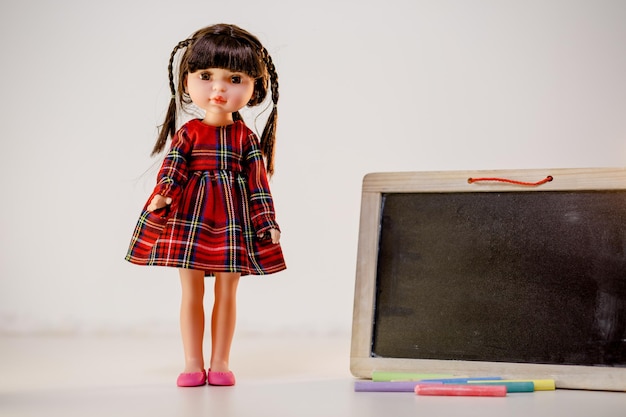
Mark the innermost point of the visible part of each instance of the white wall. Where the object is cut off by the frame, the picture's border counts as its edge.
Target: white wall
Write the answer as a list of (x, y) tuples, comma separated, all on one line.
[(399, 85)]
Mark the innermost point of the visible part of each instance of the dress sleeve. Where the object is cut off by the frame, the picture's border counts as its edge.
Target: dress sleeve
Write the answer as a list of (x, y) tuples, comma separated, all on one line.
[(173, 174), (261, 204)]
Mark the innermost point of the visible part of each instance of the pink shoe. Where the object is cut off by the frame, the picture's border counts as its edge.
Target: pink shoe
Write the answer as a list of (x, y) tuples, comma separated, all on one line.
[(224, 379), (191, 379)]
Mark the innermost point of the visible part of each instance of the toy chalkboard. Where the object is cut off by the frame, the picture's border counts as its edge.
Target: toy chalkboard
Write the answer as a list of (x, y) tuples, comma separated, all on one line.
[(487, 273)]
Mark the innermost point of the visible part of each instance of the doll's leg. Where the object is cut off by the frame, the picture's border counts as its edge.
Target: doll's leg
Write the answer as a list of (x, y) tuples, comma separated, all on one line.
[(192, 318), (223, 320)]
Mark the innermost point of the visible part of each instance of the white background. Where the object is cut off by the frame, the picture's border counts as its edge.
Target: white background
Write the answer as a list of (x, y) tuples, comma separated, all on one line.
[(365, 86)]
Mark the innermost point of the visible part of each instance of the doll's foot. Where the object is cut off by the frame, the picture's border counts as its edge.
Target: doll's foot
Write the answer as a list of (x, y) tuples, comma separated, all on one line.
[(191, 379), (224, 379)]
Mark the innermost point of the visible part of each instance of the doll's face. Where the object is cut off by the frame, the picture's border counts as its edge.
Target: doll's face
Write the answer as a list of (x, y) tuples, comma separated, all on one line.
[(219, 92)]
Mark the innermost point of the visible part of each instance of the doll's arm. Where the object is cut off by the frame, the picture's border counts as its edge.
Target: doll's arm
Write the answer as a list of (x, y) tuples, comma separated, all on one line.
[(261, 204), (172, 176)]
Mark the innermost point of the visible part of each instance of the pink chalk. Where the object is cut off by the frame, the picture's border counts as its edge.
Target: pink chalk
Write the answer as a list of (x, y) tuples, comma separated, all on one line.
[(473, 390)]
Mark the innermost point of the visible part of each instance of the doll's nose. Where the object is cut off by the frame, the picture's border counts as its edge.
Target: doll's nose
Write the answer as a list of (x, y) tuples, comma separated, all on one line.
[(219, 86)]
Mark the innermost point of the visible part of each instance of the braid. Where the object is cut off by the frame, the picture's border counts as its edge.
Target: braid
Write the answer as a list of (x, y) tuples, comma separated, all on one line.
[(268, 138), (168, 128)]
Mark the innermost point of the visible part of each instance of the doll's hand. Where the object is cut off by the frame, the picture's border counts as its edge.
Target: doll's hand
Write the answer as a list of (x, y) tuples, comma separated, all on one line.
[(274, 235), (158, 201)]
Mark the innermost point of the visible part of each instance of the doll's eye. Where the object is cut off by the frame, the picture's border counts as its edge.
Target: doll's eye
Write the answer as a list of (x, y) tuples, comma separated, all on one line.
[(235, 79), (205, 75)]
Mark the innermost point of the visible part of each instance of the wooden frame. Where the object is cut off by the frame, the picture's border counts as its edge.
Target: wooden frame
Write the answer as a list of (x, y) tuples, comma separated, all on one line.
[(362, 362)]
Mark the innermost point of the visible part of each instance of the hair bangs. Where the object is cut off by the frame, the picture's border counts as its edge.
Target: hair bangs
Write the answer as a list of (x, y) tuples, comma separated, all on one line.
[(225, 52)]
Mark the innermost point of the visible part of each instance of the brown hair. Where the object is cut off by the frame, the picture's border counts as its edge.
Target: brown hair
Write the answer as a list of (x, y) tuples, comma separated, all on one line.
[(229, 47)]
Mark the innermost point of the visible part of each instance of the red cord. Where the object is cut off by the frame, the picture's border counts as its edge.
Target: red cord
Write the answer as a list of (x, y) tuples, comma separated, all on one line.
[(543, 181)]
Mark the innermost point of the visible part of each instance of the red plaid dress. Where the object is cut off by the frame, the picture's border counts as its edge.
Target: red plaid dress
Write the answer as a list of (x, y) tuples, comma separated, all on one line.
[(221, 203)]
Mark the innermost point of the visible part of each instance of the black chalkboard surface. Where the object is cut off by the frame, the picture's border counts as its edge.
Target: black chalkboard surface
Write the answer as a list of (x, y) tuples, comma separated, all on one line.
[(517, 277), (528, 280)]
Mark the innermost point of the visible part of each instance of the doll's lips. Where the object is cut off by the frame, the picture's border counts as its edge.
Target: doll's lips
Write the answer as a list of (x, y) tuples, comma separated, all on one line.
[(219, 100)]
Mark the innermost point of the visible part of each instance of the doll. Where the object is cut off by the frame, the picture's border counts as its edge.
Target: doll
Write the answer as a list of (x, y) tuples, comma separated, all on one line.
[(211, 212)]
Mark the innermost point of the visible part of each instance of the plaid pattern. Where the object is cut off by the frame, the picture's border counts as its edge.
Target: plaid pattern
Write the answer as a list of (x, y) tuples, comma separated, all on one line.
[(221, 202)]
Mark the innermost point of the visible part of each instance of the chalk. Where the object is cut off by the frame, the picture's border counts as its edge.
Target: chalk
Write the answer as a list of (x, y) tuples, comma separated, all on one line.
[(387, 386), (461, 390), (463, 380), (511, 386), (540, 384), (381, 376)]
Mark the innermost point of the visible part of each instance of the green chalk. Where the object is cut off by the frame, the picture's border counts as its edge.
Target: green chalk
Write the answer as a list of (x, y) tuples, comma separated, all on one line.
[(380, 376)]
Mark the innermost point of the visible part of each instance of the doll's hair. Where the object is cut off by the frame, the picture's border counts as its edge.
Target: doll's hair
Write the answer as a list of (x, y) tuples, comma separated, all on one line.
[(229, 47)]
